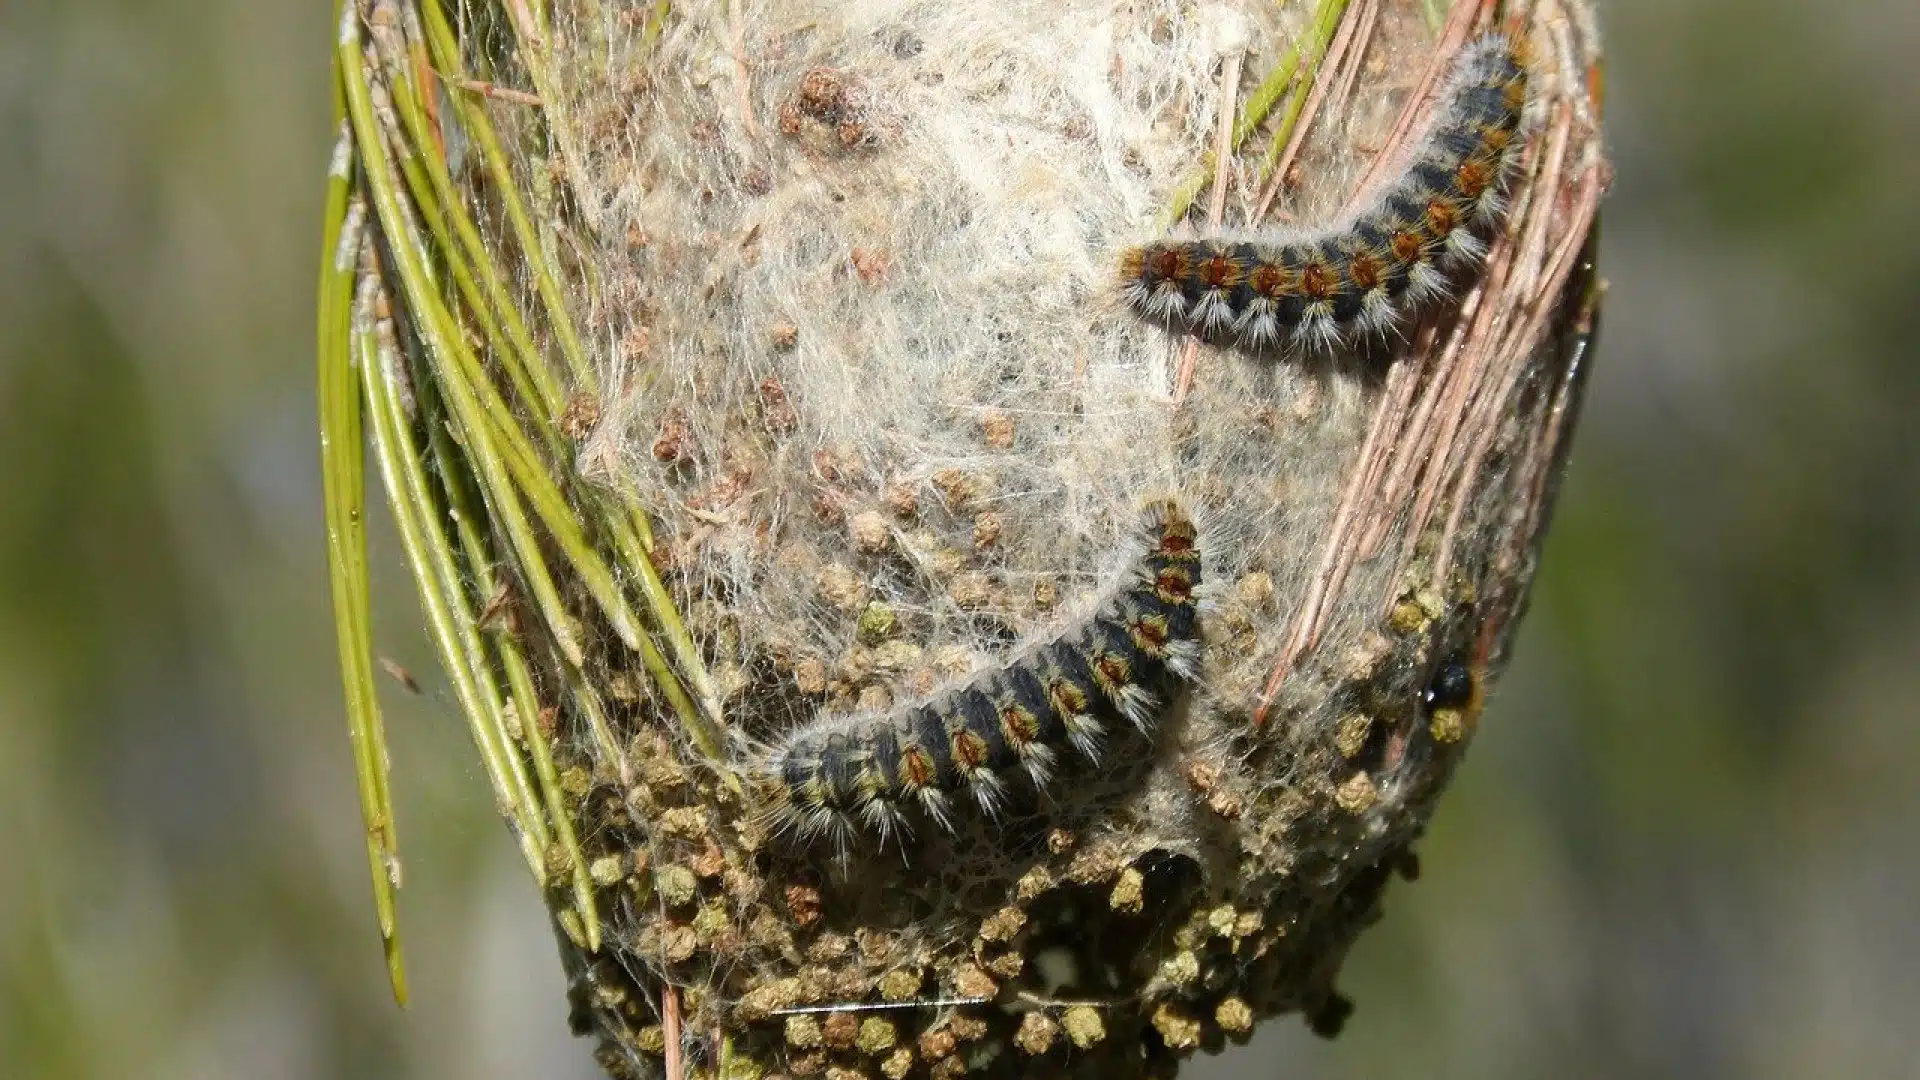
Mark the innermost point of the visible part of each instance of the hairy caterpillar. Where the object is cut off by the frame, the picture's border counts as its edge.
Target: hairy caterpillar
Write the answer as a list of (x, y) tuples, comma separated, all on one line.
[(1363, 275), (1013, 724)]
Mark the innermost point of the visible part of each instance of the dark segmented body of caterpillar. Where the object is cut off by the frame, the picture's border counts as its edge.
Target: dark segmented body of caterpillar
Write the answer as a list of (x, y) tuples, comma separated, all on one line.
[(1017, 723), (1368, 274)]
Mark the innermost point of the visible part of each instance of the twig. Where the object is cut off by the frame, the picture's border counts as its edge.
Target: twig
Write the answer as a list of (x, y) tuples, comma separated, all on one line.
[(1450, 382), (1217, 206), (1483, 359), (1393, 401), (1413, 447), (491, 90), (1390, 417), (1529, 253), (1510, 267), (536, 55), (1452, 36), (877, 1006), (1278, 83), (1521, 345), (1302, 118), (1356, 53), (670, 1028), (742, 79), (1560, 409)]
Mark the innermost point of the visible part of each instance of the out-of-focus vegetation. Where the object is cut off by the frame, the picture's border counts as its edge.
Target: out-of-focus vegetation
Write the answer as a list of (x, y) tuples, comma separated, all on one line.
[(1682, 846)]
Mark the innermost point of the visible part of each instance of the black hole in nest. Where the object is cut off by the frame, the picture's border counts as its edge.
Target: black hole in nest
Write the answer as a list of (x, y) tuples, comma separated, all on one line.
[(1095, 951), (1072, 931), (1167, 878)]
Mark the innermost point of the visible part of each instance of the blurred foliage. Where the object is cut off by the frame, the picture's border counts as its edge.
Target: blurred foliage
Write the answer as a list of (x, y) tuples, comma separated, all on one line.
[(1682, 847)]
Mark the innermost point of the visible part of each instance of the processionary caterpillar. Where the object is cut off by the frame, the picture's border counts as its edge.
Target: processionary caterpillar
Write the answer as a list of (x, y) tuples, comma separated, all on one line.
[(1361, 276), (1017, 725)]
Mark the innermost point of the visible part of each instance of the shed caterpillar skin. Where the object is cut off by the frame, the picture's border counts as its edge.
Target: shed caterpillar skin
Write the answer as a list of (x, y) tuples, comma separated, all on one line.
[(1016, 724), (1356, 278)]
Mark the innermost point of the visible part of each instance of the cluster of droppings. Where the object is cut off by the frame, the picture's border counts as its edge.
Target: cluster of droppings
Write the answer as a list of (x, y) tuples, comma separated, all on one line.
[(1037, 1033), (1350, 737), (1084, 1026), (835, 1036), (1356, 795), (1209, 780), (1178, 1029)]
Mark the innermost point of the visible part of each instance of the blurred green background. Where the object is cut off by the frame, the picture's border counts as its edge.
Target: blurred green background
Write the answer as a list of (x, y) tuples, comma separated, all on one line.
[(1684, 845)]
